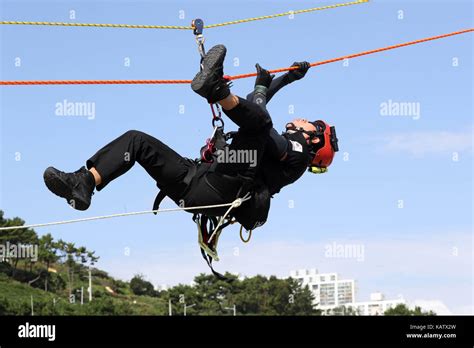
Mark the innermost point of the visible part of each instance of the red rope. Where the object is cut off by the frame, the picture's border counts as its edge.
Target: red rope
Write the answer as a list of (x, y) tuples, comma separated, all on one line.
[(362, 53), (114, 82), (93, 82)]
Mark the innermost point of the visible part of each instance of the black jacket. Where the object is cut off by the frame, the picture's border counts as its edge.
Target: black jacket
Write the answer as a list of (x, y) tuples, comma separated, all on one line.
[(274, 172)]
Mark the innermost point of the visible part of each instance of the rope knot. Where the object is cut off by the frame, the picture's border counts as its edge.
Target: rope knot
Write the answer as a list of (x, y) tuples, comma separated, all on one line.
[(237, 203)]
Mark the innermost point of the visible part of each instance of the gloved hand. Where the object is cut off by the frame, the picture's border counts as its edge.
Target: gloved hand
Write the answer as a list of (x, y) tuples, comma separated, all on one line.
[(264, 78), (299, 73)]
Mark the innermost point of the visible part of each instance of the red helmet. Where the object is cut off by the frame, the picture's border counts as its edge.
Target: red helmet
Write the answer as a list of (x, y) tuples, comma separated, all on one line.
[(323, 152)]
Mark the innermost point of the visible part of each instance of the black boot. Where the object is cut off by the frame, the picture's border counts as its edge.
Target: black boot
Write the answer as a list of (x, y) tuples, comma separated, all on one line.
[(77, 187), (209, 82)]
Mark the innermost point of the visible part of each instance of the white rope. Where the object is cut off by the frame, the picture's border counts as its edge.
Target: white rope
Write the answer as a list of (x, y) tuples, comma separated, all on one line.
[(235, 203)]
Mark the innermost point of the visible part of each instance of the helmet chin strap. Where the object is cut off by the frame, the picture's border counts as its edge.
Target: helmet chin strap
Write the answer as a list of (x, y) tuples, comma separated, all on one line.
[(291, 128)]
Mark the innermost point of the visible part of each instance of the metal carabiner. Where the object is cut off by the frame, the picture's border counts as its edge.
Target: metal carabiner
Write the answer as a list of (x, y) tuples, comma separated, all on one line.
[(208, 151), (216, 116), (218, 119)]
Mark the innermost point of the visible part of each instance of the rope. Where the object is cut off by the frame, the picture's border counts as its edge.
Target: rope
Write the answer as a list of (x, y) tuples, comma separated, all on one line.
[(97, 25), (234, 204), (242, 236), (286, 14), (95, 82), (181, 27), (235, 77), (364, 53)]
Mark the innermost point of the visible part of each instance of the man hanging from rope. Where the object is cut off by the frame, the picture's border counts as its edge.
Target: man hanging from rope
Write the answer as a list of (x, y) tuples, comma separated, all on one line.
[(279, 159)]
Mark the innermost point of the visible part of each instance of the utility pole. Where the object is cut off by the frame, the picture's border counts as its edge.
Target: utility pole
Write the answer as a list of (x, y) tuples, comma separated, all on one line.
[(82, 294), (170, 310), (233, 308), (32, 312), (185, 307), (90, 284)]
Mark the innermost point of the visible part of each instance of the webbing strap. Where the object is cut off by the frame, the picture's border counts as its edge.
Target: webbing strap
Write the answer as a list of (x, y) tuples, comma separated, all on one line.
[(204, 234), (158, 199), (162, 194), (209, 263)]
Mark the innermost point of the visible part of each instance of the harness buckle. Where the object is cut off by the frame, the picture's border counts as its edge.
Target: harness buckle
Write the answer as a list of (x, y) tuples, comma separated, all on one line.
[(333, 139)]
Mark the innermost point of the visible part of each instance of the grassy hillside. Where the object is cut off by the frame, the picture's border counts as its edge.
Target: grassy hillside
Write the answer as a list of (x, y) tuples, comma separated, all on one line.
[(15, 299)]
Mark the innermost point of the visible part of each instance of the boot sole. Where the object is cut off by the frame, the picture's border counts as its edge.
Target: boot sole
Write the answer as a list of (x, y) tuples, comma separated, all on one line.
[(60, 188), (213, 58)]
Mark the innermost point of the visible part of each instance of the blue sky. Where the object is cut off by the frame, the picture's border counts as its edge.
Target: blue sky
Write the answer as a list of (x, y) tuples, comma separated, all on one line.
[(382, 159)]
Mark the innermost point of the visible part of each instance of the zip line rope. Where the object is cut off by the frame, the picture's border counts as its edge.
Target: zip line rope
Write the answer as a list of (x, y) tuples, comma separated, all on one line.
[(236, 203), (114, 82), (364, 53), (182, 27)]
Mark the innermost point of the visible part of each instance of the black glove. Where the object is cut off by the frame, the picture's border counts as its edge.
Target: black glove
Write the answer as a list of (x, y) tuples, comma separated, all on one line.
[(264, 78), (299, 73)]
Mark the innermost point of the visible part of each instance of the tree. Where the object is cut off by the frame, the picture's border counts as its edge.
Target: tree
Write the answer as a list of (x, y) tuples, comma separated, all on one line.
[(47, 254), (67, 250), (20, 236), (140, 286), (402, 309), (344, 310), (257, 295)]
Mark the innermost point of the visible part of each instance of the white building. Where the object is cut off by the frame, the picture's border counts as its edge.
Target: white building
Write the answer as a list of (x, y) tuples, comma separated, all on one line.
[(376, 306), (331, 292)]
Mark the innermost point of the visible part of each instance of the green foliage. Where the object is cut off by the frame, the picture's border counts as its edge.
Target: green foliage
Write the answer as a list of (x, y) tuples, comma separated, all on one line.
[(140, 286), (402, 309), (343, 310), (258, 295)]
